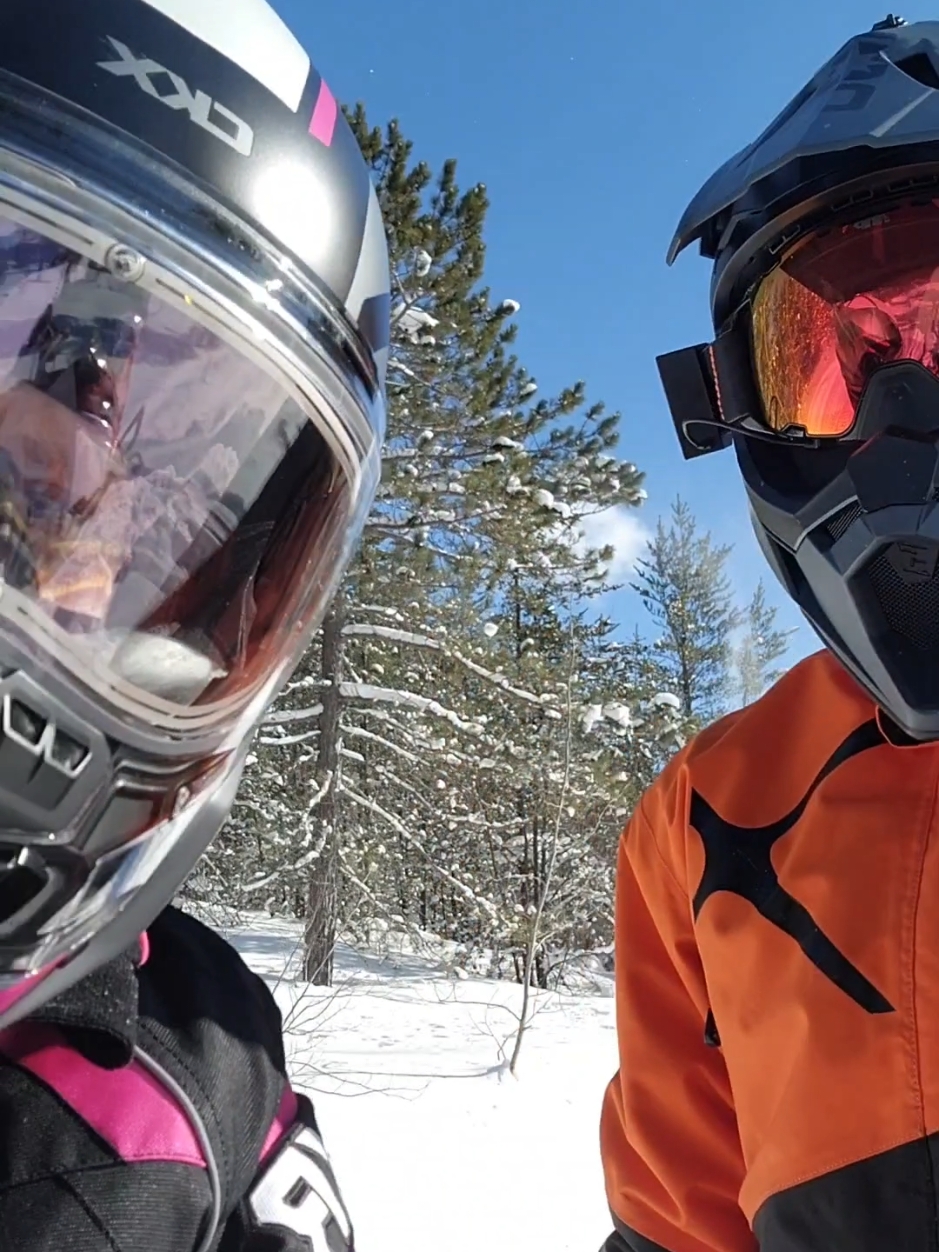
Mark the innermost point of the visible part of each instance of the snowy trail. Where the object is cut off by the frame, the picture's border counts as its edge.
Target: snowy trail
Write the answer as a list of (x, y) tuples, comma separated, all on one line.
[(434, 1145)]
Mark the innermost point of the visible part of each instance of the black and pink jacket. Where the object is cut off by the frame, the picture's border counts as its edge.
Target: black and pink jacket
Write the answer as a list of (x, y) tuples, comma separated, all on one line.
[(148, 1110)]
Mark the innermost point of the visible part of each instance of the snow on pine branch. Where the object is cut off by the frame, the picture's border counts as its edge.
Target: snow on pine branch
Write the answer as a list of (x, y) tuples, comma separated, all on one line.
[(309, 856), (383, 609), (431, 806), (359, 732), (401, 728), (292, 715), (407, 699), (424, 641), (286, 741), (397, 825)]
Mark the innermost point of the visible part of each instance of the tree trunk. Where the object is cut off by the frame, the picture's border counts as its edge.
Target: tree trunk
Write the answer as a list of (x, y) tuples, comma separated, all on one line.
[(540, 972), (322, 918)]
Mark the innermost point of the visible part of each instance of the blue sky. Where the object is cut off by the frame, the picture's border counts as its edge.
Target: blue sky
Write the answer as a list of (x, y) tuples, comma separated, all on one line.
[(592, 125)]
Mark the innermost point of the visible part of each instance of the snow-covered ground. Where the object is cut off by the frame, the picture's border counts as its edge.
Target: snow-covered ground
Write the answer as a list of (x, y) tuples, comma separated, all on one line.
[(435, 1145)]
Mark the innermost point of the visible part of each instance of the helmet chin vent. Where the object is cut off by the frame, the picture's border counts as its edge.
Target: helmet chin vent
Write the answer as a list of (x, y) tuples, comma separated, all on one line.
[(904, 582)]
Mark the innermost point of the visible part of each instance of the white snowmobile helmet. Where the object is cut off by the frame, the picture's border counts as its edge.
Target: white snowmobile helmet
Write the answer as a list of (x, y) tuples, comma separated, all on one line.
[(194, 322)]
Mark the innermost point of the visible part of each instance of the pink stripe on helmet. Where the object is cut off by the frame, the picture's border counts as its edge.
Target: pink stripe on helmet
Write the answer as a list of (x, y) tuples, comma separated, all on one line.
[(128, 1107), (325, 112), (286, 1116)]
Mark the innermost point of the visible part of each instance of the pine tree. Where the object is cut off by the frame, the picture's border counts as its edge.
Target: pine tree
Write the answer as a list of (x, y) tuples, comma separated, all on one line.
[(634, 717), (380, 778), (684, 585), (762, 646)]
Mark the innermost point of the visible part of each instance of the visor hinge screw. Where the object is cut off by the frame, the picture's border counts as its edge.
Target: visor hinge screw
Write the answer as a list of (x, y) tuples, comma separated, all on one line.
[(124, 262)]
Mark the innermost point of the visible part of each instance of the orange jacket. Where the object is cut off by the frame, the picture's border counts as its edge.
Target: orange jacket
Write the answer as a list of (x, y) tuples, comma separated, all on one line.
[(777, 972)]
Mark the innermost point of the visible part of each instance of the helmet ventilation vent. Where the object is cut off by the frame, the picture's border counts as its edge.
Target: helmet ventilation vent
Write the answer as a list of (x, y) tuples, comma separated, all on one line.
[(837, 525), (921, 68)]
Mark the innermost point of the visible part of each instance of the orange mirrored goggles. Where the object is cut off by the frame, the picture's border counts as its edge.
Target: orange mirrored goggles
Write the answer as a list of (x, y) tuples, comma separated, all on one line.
[(842, 302)]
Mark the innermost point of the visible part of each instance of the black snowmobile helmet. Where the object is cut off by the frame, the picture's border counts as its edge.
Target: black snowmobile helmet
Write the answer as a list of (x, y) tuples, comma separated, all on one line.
[(824, 370), (194, 325)]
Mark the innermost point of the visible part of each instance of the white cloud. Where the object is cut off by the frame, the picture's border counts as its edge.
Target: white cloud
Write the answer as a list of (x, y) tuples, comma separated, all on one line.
[(619, 527)]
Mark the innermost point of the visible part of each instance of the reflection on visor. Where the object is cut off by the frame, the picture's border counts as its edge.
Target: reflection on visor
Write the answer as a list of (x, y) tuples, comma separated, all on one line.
[(162, 499), (843, 303)]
